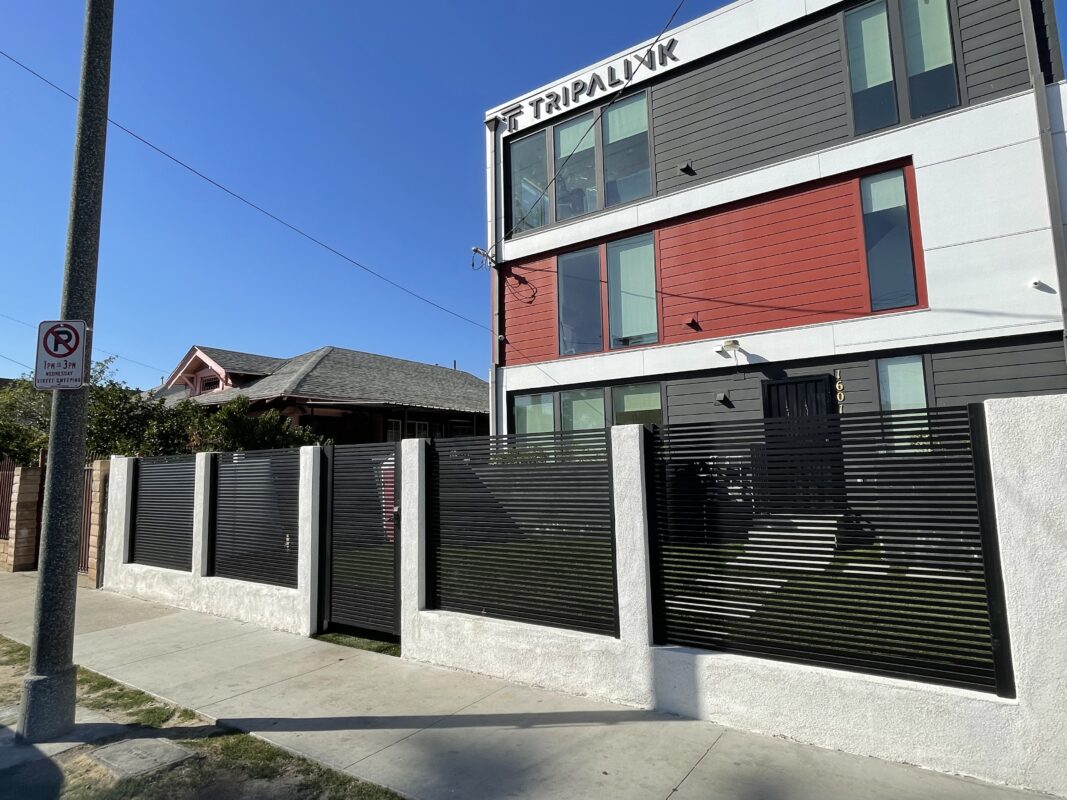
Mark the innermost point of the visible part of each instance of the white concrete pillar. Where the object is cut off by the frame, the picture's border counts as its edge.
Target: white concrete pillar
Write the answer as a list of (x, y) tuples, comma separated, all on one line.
[(307, 583), (413, 588), (632, 566), (1027, 439), (119, 516), (202, 488)]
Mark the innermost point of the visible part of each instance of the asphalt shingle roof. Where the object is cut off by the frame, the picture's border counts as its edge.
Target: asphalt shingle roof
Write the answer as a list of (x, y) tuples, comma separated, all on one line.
[(242, 363), (351, 376)]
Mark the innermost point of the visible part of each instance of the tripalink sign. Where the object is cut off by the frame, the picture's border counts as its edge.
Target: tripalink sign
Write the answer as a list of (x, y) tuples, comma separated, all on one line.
[(596, 85)]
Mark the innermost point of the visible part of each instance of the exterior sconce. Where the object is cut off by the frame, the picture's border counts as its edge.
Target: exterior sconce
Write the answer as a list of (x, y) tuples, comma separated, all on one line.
[(730, 346)]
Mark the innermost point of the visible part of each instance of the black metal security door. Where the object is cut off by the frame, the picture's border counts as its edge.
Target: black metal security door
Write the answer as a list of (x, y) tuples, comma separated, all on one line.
[(798, 397), (364, 538)]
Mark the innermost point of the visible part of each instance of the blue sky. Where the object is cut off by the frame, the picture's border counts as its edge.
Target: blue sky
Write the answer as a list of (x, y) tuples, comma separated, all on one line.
[(359, 122)]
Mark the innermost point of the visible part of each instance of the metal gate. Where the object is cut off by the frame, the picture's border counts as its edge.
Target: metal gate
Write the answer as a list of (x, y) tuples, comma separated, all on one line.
[(87, 518), (869, 547), (363, 537), (162, 534), (7, 482)]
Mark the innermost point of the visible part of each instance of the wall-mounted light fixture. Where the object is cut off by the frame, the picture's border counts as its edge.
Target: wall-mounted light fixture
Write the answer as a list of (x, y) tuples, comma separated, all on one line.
[(730, 346)]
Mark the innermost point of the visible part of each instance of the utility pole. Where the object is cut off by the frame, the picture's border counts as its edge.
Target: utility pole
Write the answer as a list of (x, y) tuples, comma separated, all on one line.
[(49, 688)]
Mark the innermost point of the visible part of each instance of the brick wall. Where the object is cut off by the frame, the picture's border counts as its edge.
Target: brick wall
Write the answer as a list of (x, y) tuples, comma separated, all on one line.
[(19, 551), (98, 519)]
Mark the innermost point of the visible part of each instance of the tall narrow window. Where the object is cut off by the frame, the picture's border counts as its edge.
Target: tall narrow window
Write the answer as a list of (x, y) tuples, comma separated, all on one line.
[(928, 52), (581, 409), (637, 405), (626, 172), (870, 67), (528, 159), (890, 264), (576, 191), (901, 383), (578, 284), (534, 414), (632, 291)]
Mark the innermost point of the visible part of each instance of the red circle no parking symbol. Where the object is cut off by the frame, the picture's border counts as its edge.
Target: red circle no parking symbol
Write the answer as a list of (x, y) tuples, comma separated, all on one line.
[(61, 340)]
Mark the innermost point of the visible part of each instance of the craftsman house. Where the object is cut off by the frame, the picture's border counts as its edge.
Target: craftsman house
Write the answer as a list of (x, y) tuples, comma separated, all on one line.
[(347, 395)]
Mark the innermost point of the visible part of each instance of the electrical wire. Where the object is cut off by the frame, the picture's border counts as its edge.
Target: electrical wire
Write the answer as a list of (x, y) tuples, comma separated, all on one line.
[(102, 350), (595, 122), (13, 361), (241, 198)]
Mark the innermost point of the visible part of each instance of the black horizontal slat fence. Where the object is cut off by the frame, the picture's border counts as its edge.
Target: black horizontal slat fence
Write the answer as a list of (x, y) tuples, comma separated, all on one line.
[(255, 519), (857, 541), (363, 537), (162, 532), (7, 483), (521, 528)]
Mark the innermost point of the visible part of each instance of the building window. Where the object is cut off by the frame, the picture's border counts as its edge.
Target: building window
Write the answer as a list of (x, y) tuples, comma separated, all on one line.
[(209, 384), (534, 413), (890, 260), (632, 291), (528, 160), (578, 285), (576, 184), (928, 53), (627, 175), (870, 67), (901, 383), (581, 409), (393, 430), (637, 405), (462, 427), (418, 430)]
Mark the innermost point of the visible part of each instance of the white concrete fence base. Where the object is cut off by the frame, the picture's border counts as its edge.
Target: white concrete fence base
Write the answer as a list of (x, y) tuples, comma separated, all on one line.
[(278, 607), (1020, 742)]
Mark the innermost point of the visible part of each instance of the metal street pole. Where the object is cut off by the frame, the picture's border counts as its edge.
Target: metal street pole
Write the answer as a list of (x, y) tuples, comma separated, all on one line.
[(49, 688)]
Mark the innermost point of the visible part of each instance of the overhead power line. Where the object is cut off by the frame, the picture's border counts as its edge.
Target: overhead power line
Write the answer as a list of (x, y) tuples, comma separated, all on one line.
[(589, 130), (270, 215), (102, 350), (237, 196), (13, 361)]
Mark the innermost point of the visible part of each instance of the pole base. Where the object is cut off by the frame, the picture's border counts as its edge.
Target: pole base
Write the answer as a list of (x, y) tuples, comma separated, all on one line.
[(47, 709)]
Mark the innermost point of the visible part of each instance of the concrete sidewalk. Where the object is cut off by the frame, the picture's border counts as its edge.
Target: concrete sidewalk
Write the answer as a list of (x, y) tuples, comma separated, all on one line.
[(430, 733)]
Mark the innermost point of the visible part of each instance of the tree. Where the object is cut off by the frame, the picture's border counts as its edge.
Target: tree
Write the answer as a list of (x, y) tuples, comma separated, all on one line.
[(124, 421)]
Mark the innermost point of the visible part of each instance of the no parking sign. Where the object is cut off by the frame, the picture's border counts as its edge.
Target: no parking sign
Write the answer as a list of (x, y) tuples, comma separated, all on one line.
[(60, 355)]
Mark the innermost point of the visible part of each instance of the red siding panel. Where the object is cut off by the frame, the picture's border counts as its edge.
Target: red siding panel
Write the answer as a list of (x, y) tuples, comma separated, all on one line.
[(782, 262), (529, 311)]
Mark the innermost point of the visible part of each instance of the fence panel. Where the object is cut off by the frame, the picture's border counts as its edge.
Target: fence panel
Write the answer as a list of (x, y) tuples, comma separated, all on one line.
[(363, 540), (255, 519), (853, 541), (7, 483), (87, 518), (162, 534), (521, 528)]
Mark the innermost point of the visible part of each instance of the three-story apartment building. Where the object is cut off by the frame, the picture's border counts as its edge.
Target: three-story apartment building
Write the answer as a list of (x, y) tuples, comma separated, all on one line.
[(784, 207)]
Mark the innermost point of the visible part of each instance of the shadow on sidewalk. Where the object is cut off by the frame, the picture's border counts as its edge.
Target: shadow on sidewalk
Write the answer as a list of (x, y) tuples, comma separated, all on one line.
[(521, 720)]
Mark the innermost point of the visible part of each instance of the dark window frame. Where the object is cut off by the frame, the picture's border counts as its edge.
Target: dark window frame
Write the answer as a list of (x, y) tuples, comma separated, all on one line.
[(900, 67), (918, 257), (548, 128), (606, 345)]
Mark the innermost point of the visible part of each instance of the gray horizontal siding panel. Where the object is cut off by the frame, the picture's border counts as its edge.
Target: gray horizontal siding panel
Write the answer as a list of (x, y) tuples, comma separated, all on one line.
[(779, 99), (1048, 40), (993, 60), (693, 399), (1011, 369)]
